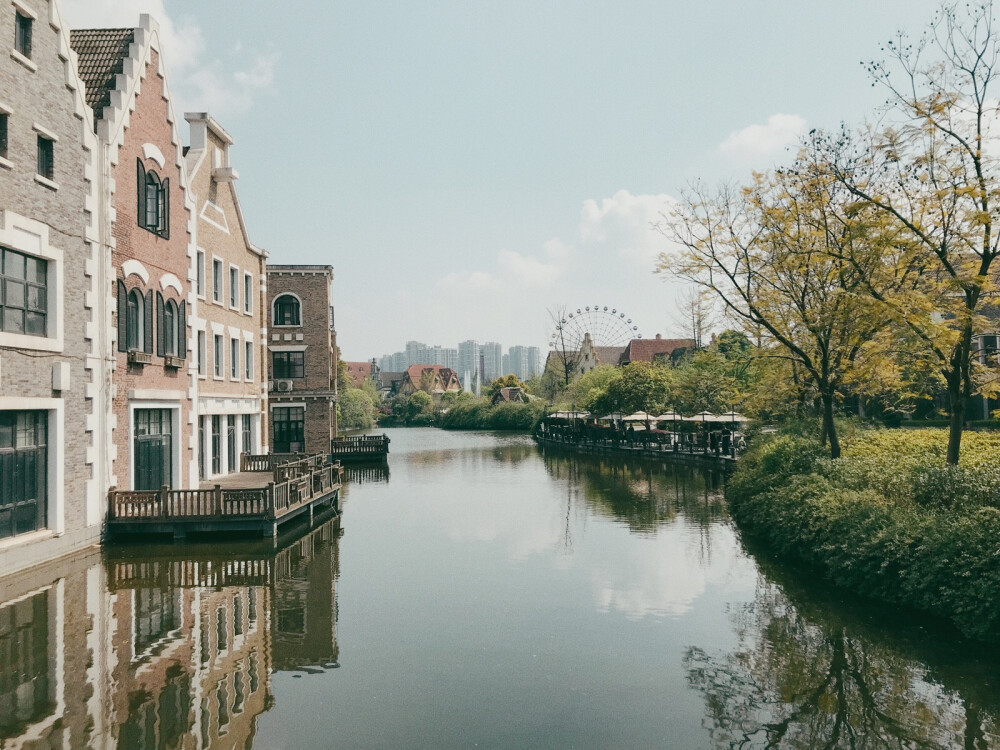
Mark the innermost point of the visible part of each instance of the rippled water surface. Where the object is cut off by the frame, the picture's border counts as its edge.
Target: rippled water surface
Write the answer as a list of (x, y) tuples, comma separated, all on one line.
[(481, 593)]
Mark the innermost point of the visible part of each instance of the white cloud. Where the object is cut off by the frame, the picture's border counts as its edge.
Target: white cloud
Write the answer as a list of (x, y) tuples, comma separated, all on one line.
[(623, 224), (527, 270), (225, 88), (758, 144)]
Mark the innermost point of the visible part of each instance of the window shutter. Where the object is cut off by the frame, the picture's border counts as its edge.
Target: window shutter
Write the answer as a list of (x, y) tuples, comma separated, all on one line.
[(147, 339), (140, 193), (122, 315), (165, 218), (182, 341), (159, 325)]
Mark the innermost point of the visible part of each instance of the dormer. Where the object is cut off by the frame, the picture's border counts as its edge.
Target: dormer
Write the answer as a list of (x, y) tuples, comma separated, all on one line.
[(208, 135)]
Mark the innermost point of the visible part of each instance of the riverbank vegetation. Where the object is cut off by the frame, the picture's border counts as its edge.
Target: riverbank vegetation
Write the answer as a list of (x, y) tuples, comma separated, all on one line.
[(888, 519)]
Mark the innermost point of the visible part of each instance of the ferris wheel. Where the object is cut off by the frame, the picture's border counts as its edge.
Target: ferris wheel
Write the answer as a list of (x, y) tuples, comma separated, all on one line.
[(607, 326)]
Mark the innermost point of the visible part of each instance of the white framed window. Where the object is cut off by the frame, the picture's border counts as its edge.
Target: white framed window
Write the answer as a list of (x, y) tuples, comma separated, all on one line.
[(202, 354), (219, 357), (248, 293), (31, 286), (217, 280), (234, 287), (234, 359), (200, 273), (248, 359)]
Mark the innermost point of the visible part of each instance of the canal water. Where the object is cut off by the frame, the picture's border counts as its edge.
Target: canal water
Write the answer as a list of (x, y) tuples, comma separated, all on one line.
[(482, 593)]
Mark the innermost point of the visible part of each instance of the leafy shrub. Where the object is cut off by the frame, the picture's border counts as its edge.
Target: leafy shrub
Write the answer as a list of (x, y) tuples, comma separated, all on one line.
[(888, 520)]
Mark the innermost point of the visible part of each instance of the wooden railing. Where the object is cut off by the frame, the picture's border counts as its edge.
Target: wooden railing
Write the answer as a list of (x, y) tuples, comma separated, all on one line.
[(359, 445), (295, 481)]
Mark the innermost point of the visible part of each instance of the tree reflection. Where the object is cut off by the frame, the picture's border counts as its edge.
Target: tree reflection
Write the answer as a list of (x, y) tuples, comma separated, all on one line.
[(642, 494), (815, 677)]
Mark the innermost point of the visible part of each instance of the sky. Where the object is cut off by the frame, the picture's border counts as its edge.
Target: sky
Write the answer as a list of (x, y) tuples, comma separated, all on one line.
[(468, 167)]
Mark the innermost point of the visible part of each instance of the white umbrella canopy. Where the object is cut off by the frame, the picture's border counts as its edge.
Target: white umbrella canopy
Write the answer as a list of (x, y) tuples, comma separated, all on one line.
[(669, 416), (702, 416), (570, 414), (615, 416), (639, 416), (732, 416)]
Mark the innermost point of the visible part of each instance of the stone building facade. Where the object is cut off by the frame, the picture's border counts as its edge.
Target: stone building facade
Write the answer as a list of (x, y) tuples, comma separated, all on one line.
[(151, 238), (230, 282), (52, 383), (302, 358)]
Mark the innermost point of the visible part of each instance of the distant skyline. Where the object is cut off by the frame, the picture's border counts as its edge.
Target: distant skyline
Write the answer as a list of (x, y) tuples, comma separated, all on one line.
[(465, 167)]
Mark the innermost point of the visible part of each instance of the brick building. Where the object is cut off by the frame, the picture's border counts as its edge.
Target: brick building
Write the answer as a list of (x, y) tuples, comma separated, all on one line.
[(302, 358), (152, 257), (230, 283), (52, 383)]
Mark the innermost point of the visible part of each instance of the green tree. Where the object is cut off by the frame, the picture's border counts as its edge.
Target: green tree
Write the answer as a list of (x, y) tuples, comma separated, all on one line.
[(420, 408), (774, 254), (357, 409), (639, 386), (931, 175), (704, 382), (588, 387)]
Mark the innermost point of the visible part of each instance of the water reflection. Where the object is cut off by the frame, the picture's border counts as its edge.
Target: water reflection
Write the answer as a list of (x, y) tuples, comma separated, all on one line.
[(505, 597), (819, 669), (644, 494), (164, 648)]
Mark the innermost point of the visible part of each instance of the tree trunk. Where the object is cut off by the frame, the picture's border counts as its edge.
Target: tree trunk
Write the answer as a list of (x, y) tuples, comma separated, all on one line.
[(829, 426), (956, 405)]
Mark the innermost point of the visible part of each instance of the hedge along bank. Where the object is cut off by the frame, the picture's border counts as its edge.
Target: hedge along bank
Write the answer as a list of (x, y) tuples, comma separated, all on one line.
[(887, 520)]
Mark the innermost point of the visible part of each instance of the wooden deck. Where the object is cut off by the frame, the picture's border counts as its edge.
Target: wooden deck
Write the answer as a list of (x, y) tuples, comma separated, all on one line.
[(360, 448), (268, 491)]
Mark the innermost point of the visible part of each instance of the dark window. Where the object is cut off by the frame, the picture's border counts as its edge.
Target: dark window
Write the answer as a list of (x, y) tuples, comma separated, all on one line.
[(234, 359), (248, 360), (169, 332), (201, 449), (288, 365), (134, 328), (234, 287), (23, 293), (219, 354), (216, 444), (247, 435), (289, 429), (22, 34), (247, 293), (3, 134), (152, 201), (23, 471), (286, 311), (201, 273), (153, 449), (46, 158), (217, 280), (231, 443)]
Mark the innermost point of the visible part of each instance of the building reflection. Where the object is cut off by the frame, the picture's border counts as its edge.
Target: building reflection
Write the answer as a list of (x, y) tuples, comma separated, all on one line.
[(152, 648)]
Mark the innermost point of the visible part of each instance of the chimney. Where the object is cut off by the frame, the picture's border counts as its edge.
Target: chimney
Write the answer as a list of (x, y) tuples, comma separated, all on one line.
[(658, 337)]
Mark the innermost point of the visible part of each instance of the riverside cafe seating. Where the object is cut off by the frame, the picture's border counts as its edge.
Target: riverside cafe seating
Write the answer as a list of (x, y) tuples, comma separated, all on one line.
[(705, 431)]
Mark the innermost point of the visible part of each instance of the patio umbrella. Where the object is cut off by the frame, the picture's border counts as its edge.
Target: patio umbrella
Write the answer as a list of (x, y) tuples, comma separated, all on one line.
[(669, 416), (732, 416), (702, 416), (639, 416)]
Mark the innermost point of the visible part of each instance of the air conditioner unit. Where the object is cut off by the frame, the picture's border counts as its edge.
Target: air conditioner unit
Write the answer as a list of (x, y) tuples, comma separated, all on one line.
[(283, 386)]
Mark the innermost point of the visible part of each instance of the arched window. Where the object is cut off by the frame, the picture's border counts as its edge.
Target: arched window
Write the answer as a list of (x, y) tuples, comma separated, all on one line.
[(170, 328), (134, 324), (286, 311), (153, 207)]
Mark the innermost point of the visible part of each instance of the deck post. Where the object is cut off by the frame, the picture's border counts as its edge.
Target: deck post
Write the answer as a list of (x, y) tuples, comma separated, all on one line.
[(218, 499), (164, 496), (111, 501)]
